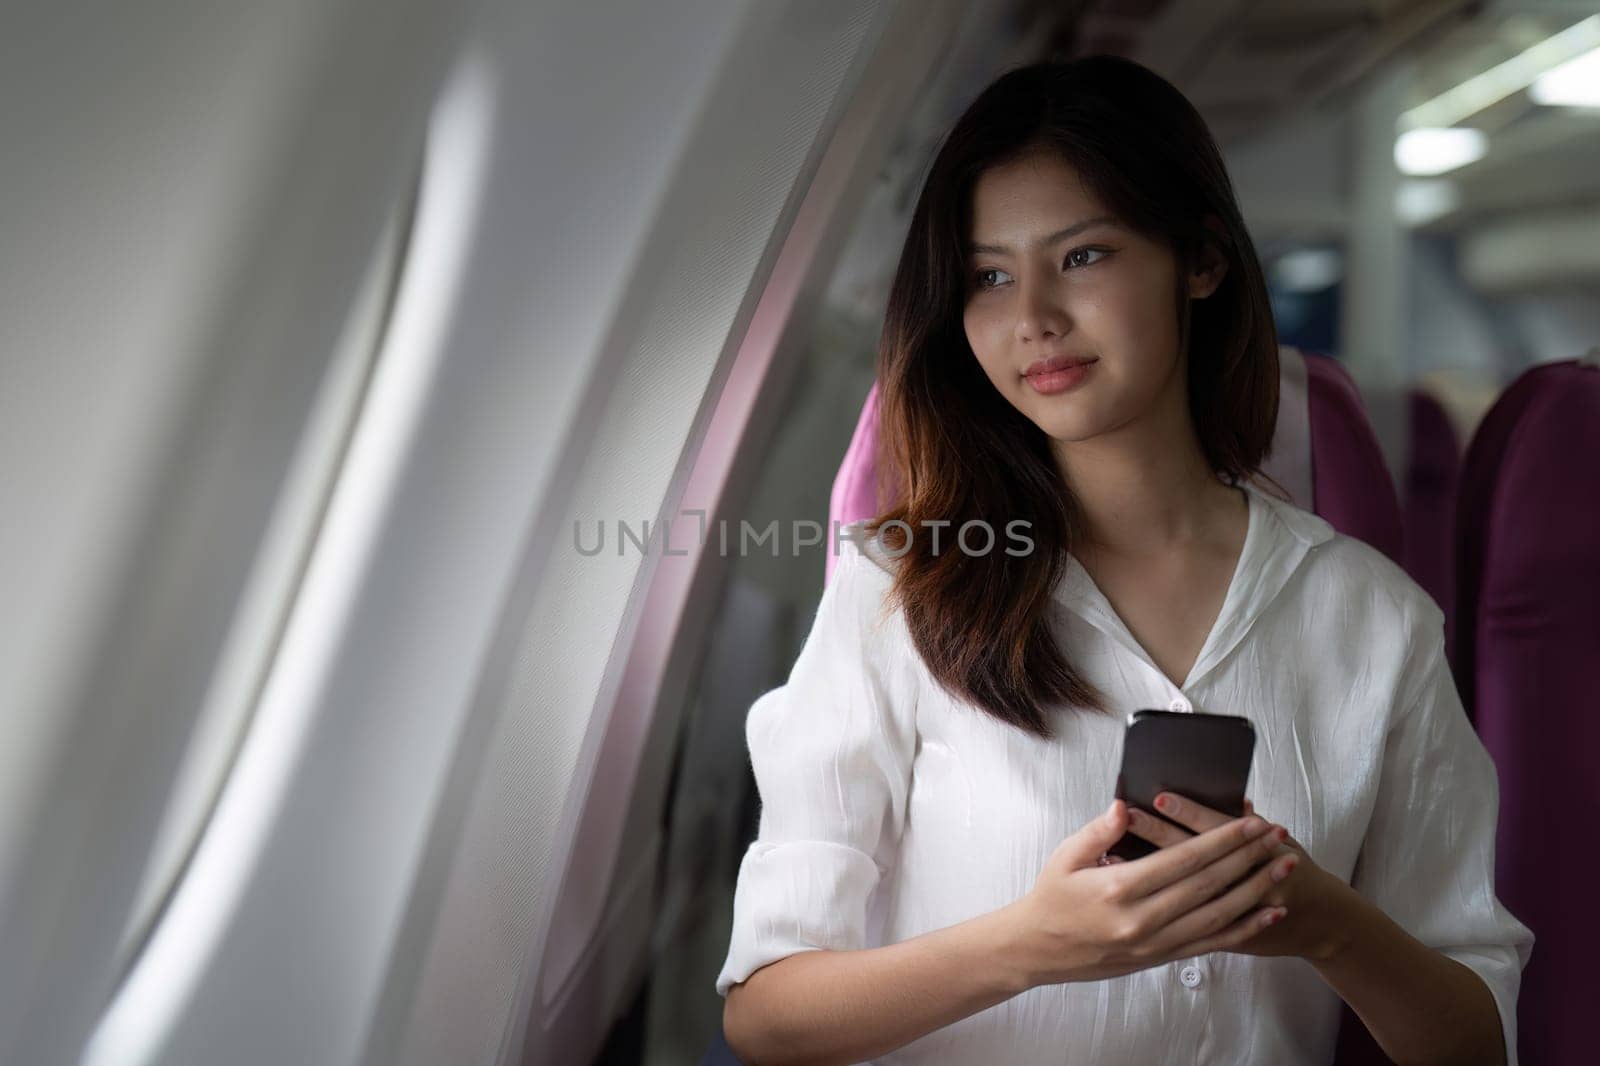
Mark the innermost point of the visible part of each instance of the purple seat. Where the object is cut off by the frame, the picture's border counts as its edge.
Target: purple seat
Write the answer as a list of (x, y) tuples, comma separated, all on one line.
[(1353, 490), (1527, 642), (1475, 502), (855, 493), (1432, 473)]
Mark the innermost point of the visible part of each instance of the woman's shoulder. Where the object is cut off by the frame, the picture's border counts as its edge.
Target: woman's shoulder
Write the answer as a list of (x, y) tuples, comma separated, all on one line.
[(860, 594), (859, 627), (1346, 571), (1351, 572)]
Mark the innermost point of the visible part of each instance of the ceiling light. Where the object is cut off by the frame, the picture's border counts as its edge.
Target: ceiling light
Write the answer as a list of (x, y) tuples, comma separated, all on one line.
[(1575, 83), (1504, 79), (1426, 152)]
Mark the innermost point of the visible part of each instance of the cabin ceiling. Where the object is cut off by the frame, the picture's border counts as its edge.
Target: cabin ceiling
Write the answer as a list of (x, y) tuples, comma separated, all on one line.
[(1257, 67)]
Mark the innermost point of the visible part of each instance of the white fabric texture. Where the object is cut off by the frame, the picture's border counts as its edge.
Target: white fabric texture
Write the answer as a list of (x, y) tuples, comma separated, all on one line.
[(891, 808)]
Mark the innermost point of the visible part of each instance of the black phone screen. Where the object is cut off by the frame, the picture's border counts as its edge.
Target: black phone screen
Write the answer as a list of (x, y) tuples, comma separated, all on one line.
[(1205, 757)]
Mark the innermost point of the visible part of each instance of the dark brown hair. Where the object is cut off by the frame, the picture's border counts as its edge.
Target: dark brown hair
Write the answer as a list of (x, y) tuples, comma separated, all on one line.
[(953, 448)]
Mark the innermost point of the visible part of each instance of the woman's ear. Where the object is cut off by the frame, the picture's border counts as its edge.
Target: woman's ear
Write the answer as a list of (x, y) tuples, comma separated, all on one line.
[(1212, 265)]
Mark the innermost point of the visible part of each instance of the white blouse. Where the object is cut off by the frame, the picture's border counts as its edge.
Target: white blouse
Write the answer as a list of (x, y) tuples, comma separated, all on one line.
[(891, 808)]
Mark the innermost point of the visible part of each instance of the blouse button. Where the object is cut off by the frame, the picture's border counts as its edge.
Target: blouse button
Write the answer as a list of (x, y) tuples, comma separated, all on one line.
[(1190, 976), (1179, 705)]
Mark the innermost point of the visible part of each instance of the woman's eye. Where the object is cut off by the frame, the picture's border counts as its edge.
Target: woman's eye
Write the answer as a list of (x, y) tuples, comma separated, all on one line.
[(993, 277)]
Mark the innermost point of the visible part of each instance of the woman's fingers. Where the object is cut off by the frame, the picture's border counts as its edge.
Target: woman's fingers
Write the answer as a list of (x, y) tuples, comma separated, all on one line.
[(1171, 864), (1164, 835), (1219, 915), (1241, 931), (1148, 826), (1229, 872), (1190, 813), (1197, 819)]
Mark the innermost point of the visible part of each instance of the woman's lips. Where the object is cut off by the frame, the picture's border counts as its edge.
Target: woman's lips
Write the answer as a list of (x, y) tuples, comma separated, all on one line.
[(1051, 376)]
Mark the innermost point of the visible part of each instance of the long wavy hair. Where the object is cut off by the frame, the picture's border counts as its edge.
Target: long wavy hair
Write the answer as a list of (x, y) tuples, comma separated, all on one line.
[(952, 448)]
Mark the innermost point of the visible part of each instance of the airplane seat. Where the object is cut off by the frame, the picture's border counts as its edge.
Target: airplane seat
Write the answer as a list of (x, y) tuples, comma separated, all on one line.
[(1528, 632), (1353, 490), (855, 487), (1485, 457), (1433, 471)]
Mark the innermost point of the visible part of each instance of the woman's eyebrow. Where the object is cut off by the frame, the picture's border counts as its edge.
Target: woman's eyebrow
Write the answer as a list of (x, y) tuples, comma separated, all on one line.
[(1058, 235)]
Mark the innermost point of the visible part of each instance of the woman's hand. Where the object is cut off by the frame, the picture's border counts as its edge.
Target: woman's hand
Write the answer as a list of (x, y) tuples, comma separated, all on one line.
[(1083, 921), (1315, 899)]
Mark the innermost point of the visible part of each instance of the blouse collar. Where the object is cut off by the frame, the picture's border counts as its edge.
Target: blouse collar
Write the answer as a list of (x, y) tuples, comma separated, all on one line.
[(1278, 537)]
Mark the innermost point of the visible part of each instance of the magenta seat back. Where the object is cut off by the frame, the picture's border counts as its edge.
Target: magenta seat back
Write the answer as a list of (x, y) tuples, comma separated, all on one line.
[(1354, 492), (1475, 501), (1528, 644), (1433, 469), (855, 486)]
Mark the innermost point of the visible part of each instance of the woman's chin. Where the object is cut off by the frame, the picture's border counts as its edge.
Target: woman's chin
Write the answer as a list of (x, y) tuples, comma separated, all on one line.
[(1068, 430)]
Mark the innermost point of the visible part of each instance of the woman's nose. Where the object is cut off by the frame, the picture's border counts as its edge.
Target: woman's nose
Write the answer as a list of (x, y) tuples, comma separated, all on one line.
[(1040, 315)]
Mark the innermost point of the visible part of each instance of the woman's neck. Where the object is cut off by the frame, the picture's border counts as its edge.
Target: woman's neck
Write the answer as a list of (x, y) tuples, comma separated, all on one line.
[(1146, 502)]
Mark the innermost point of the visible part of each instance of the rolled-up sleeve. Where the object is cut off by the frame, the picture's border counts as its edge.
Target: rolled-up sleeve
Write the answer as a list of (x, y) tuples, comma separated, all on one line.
[(831, 751), (1428, 858)]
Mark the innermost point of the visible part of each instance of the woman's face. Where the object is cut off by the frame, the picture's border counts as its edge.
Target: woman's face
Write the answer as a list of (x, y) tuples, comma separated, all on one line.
[(1053, 281)]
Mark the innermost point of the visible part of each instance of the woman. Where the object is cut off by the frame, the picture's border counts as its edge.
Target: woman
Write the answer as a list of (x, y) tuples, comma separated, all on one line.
[(1078, 338)]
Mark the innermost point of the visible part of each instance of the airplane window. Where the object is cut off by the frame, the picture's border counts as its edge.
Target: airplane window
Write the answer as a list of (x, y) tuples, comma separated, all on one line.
[(1303, 283), (253, 640)]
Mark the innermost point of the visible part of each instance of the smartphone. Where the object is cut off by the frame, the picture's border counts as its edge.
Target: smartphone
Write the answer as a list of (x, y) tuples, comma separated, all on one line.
[(1205, 757)]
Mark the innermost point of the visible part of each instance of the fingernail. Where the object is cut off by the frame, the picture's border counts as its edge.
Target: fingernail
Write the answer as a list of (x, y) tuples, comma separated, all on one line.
[(1163, 803), (1274, 917), (1285, 870), (1280, 834)]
